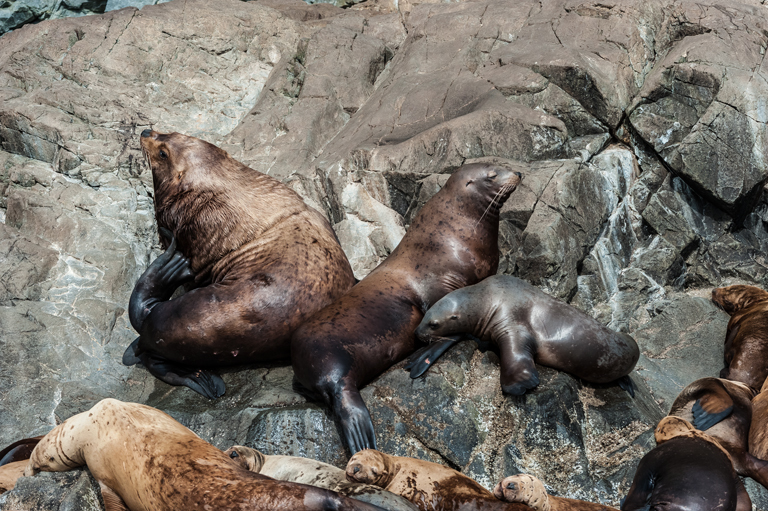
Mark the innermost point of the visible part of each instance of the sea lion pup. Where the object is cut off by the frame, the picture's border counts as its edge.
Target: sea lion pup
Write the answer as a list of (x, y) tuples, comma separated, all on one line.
[(431, 486), (263, 262), (687, 471), (153, 463), (724, 409), (530, 491), (527, 324), (746, 341), (315, 473), (452, 242)]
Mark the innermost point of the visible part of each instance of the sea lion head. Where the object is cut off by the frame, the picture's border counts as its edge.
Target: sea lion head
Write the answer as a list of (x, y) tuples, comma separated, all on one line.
[(523, 488), (245, 457), (487, 185), (735, 298), (59, 450), (446, 317), (370, 466), (672, 426)]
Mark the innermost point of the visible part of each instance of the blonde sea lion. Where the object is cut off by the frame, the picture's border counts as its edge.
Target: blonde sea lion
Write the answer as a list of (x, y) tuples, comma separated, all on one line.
[(528, 490), (758, 430), (315, 473), (687, 471), (431, 486), (260, 260), (9, 473), (153, 463), (452, 242)]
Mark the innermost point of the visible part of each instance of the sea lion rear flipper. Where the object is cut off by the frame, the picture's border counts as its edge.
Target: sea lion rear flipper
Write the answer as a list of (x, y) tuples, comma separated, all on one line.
[(356, 424), (420, 362), (626, 383), (201, 381), (711, 408), (157, 283)]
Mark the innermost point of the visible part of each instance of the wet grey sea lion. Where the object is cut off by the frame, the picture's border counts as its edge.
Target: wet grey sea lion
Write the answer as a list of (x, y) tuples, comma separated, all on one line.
[(153, 463), (452, 242), (527, 325), (260, 260), (687, 471), (724, 409), (746, 340), (431, 486), (315, 473)]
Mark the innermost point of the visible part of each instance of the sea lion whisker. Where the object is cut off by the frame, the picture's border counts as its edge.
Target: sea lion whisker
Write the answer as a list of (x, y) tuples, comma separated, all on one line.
[(493, 202)]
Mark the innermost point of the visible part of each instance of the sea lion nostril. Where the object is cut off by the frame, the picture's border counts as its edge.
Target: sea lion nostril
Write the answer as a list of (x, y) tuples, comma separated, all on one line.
[(512, 486), (146, 133), (233, 454)]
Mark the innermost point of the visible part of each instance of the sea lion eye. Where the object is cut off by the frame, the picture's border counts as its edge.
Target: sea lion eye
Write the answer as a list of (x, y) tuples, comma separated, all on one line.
[(434, 323), (233, 454), (163, 154)]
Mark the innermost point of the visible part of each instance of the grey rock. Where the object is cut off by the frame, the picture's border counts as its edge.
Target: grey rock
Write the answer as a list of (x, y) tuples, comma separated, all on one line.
[(55, 491)]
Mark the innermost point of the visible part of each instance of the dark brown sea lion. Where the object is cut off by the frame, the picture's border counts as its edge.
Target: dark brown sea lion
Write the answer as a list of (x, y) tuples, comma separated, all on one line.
[(746, 342), (452, 242), (723, 409), (527, 324), (530, 491), (315, 473), (687, 471), (155, 464), (263, 262), (432, 487), (18, 451)]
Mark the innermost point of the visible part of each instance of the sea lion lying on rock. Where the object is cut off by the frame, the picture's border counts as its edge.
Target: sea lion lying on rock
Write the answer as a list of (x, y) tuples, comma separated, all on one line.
[(263, 262), (724, 409), (452, 242), (153, 463), (9, 473), (758, 430), (530, 491), (687, 471), (527, 325), (315, 473), (746, 341), (431, 486)]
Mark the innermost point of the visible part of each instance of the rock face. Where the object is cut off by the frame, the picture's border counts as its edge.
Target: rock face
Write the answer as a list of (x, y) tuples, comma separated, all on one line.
[(640, 129)]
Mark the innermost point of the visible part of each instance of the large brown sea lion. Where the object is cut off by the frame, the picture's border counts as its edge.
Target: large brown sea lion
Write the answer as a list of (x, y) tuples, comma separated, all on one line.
[(530, 491), (746, 342), (687, 471), (527, 324), (431, 486), (155, 464), (723, 409), (315, 473), (452, 242), (263, 262)]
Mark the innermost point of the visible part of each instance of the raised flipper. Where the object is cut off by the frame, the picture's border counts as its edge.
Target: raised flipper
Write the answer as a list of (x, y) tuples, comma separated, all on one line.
[(158, 282), (356, 424), (201, 381), (711, 408), (420, 362), (626, 383), (517, 348)]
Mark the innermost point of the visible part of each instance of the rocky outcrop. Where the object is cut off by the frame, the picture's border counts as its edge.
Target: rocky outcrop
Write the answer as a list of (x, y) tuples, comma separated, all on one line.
[(639, 129)]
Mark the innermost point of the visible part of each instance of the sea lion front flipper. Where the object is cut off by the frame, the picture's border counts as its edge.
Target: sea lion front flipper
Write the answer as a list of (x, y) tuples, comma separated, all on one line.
[(157, 283), (420, 362), (356, 424), (626, 383), (756, 468), (112, 501), (201, 381), (517, 348), (711, 408), (131, 353)]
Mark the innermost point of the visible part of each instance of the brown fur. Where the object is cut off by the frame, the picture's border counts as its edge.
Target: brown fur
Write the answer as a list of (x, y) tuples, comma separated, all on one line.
[(758, 431), (432, 487), (263, 260), (530, 491), (153, 463), (746, 342), (9, 473)]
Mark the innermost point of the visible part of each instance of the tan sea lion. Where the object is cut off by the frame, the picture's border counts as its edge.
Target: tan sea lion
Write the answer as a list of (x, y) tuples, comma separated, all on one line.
[(315, 473), (530, 491), (153, 463), (261, 260), (723, 409), (746, 342), (452, 242), (431, 486), (9, 473), (527, 324), (758, 430), (687, 471)]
